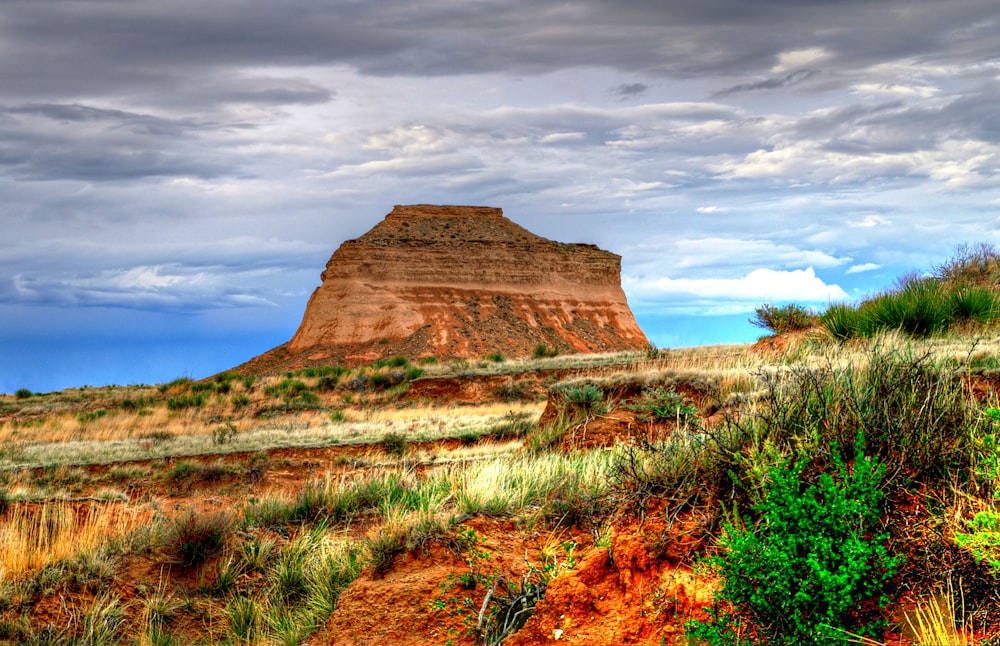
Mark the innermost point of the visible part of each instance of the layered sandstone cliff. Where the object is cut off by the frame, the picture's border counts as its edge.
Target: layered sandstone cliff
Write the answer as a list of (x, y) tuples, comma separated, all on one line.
[(461, 281)]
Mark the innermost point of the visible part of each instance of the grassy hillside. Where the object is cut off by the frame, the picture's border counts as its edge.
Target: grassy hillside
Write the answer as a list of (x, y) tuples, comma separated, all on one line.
[(817, 488)]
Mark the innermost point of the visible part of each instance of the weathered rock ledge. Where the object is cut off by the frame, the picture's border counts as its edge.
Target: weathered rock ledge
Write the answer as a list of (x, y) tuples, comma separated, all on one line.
[(459, 281)]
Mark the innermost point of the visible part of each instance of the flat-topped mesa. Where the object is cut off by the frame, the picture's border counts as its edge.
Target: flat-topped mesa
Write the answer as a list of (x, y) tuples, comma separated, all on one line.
[(414, 211), (460, 281)]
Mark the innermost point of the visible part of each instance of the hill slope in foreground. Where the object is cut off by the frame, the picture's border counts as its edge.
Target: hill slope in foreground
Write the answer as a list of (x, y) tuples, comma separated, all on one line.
[(458, 281), (586, 499)]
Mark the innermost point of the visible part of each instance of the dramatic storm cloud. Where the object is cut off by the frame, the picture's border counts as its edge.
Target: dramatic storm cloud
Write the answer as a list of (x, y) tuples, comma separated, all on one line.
[(174, 175)]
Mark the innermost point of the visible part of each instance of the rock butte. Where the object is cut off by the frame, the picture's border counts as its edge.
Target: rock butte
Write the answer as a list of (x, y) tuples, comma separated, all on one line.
[(459, 281)]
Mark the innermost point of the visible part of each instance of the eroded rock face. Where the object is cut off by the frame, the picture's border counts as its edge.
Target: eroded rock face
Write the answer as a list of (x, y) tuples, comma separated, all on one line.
[(461, 281)]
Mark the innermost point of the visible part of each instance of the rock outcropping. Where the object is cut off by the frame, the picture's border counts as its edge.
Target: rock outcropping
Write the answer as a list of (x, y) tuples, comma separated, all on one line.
[(459, 281)]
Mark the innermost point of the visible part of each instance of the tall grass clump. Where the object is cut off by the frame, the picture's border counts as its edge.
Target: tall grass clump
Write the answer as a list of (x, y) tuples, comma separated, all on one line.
[(974, 305), (547, 483), (920, 308), (192, 538), (912, 410), (962, 292), (843, 322), (33, 538)]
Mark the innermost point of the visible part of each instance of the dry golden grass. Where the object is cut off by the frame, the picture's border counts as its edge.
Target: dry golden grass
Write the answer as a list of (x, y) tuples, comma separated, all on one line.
[(68, 435), (33, 537), (307, 429)]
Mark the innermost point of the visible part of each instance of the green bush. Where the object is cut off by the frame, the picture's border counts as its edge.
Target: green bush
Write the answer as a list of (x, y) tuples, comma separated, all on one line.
[(23, 393), (782, 320), (982, 539), (815, 568), (225, 433), (91, 416)]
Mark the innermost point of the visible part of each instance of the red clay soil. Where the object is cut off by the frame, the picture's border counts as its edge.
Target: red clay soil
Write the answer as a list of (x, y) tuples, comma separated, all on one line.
[(643, 594), (420, 599)]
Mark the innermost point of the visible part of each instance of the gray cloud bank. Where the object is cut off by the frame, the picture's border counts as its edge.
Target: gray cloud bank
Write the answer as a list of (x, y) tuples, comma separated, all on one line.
[(191, 156)]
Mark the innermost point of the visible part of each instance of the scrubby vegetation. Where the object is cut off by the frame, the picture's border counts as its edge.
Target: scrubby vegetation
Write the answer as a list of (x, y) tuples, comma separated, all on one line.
[(835, 492), (783, 319), (960, 293)]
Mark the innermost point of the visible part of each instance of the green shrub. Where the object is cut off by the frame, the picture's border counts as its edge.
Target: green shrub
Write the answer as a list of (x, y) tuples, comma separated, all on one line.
[(136, 404), (392, 362), (495, 357), (23, 393), (203, 386), (815, 568), (181, 383), (240, 400), (982, 539), (781, 320)]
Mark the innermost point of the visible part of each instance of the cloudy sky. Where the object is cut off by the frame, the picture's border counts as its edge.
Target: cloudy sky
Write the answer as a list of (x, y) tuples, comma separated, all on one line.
[(174, 175)]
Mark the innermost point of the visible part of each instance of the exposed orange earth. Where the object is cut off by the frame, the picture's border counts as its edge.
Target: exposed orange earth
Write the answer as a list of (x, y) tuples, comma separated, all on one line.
[(458, 281)]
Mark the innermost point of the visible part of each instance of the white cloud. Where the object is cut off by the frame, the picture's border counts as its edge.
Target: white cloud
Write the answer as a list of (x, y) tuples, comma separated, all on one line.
[(896, 89), (954, 164), (669, 255), (863, 267), (799, 58), (562, 137), (868, 222), (758, 286)]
